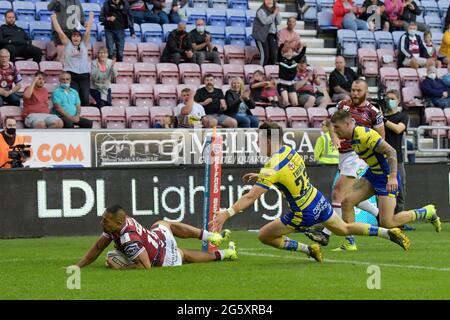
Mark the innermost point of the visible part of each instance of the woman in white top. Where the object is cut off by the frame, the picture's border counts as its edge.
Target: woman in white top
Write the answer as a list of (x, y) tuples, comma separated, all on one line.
[(102, 71), (76, 59)]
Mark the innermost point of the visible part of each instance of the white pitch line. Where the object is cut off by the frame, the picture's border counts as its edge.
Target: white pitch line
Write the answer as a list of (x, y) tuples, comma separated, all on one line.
[(242, 252)]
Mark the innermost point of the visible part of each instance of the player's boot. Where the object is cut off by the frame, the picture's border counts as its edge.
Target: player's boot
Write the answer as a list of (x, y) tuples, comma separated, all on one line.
[(315, 252), (434, 219), (396, 235), (217, 238), (348, 245), (318, 236), (231, 252)]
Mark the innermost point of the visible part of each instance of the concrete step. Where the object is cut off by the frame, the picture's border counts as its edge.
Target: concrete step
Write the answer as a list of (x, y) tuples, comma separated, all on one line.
[(286, 15), (254, 5), (321, 51), (307, 33), (330, 69), (321, 61), (313, 42)]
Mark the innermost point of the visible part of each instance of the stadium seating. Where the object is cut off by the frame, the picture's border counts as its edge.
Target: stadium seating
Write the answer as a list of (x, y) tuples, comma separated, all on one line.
[(12, 111), (5, 6), (249, 38), (297, 117), (431, 8), (236, 18), (348, 43), (250, 15), (443, 6), (252, 55), (324, 20), (390, 79), (216, 17), (42, 13), (195, 13), (366, 39), (152, 33), (114, 117), (130, 53), (271, 71), (138, 117), (234, 54), (94, 7), (217, 35), (434, 23), (165, 95), (368, 61), (238, 4), (158, 113), (145, 73), (384, 40), (137, 30), (384, 54), (441, 72), (41, 45), (93, 114), (326, 5), (142, 95), (190, 73), (277, 115), (25, 11), (236, 36), (53, 69), (316, 116), (249, 69), (50, 88), (408, 77), (27, 69), (422, 72), (436, 117), (232, 70), (218, 4), (120, 94), (215, 70), (148, 52), (199, 3), (412, 96), (437, 38), (40, 30), (167, 73), (396, 35), (260, 113), (125, 73)]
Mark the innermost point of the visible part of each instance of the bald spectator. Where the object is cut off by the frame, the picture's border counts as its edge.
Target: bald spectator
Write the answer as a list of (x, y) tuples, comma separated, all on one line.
[(179, 46), (340, 81), (16, 40), (10, 80), (202, 45), (36, 110), (288, 36)]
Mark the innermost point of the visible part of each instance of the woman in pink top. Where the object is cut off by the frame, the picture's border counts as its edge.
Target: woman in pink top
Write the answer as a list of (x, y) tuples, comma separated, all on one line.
[(394, 9)]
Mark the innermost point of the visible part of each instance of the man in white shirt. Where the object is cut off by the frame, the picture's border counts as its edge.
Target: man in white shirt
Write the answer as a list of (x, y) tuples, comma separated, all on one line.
[(190, 114)]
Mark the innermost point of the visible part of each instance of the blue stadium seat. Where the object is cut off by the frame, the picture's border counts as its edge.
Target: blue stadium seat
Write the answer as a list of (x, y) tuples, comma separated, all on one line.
[(325, 5), (311, 13), (324, 20), (99, 2), (443, 6), (5, 6), (194, 14), (431, 8), (396, 35), (25, 10), (358, 3), (434, 23), (137, 30), (41, 11), (420, 19), (384, 40), (94, 32), (25, 25), (217, 35), (437, 38), (238, 4), (152, 32), (167, 29), (218, 4), (101, 32), (250, 14), (249, 38), (199, 3), (366, 39), (216, 17), (236, 18), (348, 42), (235, 35), (40, 30), (94, 7)]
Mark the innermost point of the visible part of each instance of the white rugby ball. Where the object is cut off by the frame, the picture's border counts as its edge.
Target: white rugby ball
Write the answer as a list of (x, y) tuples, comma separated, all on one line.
[(117, 260)]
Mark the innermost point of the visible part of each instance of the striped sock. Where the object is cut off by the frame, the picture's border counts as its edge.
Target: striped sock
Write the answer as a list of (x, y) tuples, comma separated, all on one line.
[(204, 235), (350, 240), (420, 214), (219, 255), (293, 245), (373, 231)]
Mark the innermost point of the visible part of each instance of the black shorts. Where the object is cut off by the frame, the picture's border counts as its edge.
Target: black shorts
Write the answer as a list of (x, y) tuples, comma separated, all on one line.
[(284, 87)]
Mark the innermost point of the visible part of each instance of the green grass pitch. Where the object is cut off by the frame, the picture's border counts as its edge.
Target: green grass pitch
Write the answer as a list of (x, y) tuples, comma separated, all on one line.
[(34, 269)]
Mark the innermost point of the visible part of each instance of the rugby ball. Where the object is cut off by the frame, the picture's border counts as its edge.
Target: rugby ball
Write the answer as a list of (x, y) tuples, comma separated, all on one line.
[(117, 260)]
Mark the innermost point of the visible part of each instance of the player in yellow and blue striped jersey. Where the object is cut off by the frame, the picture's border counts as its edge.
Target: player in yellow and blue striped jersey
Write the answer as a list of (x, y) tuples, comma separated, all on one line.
[(285, 170), (381, 179)]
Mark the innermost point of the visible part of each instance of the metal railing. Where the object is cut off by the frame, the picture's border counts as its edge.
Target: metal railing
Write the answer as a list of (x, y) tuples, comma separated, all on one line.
[(441, 138)]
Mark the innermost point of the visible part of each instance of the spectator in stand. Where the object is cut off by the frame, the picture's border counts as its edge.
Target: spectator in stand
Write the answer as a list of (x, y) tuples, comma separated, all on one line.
[(446, 78), (324, 150), (69, 18), (412, 51), (102, 72), (345, 16), (202, 45), (447, 17), (190, 114), (444, 51), (265, 31), (376, 10), (76, 59), (213, 101), (36, 110), (8, 138), (309, 91), (262, 91), (161, 17), (396, 122), (403, 12), (66, 104), (174, 15), (289, 37), (141, 12), (431, 49), (116, 17), (435, 89), (16, 40), (340, 81), (239, 104), (10, 80), (178, 46)]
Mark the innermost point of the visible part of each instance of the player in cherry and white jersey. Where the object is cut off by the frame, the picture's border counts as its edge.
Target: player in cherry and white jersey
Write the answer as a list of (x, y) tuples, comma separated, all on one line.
[(138, 247)]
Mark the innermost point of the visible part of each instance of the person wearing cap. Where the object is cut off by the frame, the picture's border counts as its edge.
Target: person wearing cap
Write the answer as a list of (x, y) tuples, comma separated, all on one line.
[(76, 59)]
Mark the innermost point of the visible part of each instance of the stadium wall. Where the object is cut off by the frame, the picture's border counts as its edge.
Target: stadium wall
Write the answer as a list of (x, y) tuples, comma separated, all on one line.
[(57, 202)]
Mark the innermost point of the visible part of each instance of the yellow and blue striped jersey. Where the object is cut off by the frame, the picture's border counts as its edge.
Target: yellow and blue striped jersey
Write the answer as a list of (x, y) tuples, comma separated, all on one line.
[(364, 142), (286, 171)]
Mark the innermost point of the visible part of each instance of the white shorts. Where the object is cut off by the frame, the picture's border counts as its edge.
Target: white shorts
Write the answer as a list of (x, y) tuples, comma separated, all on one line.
[(173, 255), (350, 164)]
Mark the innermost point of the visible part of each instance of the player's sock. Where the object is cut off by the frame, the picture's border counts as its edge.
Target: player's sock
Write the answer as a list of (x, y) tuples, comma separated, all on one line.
[(421, 214), (337, 208), (376, 231), (204, 235), (293, 245), (366, 205), (219, 254), (326, 231), (350, 239)]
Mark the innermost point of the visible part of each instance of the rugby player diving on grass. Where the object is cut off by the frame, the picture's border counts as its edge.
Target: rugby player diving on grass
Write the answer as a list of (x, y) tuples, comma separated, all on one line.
[(138, 247), (285, 170)]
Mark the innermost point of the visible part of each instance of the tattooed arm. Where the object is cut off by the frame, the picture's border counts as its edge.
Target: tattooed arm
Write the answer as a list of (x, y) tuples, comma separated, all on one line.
[(384, 148)]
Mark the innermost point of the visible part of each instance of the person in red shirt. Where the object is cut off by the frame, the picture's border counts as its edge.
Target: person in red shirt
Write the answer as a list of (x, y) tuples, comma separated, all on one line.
[(36, 112), (10, 80), (143, 248)]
